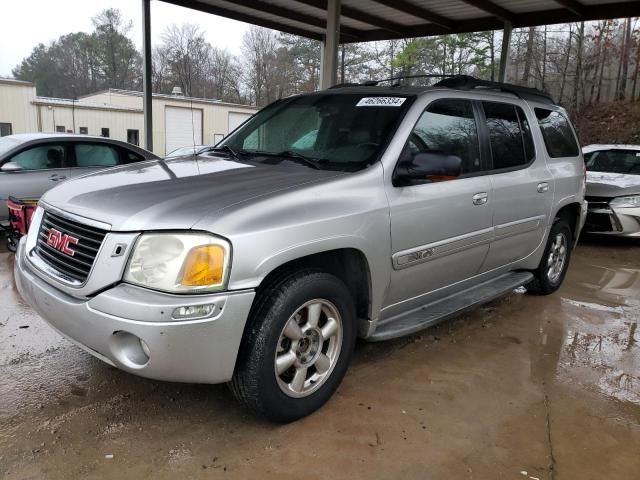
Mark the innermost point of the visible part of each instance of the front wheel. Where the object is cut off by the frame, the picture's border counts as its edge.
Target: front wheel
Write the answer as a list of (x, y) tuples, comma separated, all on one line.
[(297, 346), (555, 261)]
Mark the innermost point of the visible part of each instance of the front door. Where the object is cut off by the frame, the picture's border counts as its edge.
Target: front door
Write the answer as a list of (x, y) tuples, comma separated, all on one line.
[(43, 167), (440, 230)]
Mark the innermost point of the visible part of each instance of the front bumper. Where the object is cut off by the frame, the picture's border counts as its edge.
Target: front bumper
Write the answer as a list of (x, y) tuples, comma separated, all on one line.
[(603, 219), (111, 324), (581, 221)]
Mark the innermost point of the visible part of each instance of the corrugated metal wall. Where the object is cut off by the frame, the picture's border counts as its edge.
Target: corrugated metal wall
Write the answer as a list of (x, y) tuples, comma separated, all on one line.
[(16, 107)]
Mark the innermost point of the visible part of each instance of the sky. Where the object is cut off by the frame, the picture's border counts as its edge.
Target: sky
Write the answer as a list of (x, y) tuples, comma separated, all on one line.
[(25, 23)]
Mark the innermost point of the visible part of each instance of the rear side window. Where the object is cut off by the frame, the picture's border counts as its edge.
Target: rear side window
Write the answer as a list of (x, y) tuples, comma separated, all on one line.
[(557, 133), (94, 155), (509, 135)]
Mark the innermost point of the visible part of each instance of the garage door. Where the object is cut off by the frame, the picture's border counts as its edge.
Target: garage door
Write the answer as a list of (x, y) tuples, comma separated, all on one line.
[(236, 119), (183, 127)]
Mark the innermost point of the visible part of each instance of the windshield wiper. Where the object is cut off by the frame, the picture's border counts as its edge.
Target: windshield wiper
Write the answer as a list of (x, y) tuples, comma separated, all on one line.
[(293, 156), (228, 149)]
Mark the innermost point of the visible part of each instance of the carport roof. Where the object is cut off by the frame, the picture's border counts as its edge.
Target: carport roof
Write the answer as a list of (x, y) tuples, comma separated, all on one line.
[(366, 20)]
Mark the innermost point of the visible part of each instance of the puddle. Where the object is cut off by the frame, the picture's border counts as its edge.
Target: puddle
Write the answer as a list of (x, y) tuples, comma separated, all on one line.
[(601, 311)]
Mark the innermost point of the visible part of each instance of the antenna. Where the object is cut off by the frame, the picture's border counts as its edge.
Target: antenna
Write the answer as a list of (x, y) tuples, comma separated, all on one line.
[(193, 129)]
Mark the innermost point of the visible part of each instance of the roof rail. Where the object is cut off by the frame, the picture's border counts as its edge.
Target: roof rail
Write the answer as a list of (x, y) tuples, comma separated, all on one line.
[(373, 83), (467, 82)]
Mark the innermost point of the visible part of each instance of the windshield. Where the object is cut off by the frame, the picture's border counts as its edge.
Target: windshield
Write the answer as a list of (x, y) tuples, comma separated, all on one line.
[(7, 144), (614, 161), (335, 131)]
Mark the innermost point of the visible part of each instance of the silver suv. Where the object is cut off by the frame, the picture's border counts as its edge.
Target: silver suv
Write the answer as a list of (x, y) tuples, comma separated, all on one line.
[(359, 211)]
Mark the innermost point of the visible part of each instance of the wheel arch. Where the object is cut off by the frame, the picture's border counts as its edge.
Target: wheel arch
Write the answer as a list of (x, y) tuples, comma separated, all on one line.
[(571, 214), (348, 264)]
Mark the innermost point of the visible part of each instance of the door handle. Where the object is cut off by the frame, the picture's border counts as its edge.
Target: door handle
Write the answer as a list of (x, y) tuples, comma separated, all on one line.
[(480, 198), (543, 187), (56, 177)]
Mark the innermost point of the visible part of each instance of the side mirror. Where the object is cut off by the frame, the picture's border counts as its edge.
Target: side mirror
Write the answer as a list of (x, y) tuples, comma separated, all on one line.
[(429, 166), (11, 167)]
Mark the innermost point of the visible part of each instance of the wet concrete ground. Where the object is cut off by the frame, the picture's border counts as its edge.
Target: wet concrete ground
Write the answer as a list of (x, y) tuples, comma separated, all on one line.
[(526, 387)]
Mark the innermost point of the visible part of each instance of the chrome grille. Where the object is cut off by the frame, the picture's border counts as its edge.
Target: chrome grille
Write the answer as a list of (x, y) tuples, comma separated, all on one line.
[(85, 250)]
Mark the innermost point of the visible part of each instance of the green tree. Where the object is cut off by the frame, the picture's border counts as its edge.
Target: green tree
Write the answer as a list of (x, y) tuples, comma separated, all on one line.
[(118, 60), (80, 63)]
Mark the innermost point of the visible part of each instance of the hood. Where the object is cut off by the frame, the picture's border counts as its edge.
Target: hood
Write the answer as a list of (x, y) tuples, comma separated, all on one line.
[(175, 194), (603, 184)]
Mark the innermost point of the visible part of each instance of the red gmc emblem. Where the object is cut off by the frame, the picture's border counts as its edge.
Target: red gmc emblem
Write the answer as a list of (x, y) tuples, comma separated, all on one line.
[(61, 241)]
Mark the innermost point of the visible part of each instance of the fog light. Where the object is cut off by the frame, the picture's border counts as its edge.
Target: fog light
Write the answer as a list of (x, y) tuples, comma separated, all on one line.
[(193, 311), (129, 349)]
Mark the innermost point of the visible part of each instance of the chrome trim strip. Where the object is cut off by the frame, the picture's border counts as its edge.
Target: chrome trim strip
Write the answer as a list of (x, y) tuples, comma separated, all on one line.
[(439, 249), (431, 251), (519, 226)]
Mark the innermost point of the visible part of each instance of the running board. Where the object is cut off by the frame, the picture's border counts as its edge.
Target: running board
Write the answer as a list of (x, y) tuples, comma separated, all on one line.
[(435, 312)]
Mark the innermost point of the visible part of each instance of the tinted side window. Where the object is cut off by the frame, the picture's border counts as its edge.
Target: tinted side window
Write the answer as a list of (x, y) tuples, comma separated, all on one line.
[(448, 125), (557, 134), (94, 155), (529, 148), (41, 157), (511, 143)]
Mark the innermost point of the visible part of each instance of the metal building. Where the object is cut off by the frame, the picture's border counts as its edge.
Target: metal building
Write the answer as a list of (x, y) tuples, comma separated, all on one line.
[(177, 120)]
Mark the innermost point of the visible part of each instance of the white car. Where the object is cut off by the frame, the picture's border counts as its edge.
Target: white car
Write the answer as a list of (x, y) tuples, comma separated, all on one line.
[(613, 189)]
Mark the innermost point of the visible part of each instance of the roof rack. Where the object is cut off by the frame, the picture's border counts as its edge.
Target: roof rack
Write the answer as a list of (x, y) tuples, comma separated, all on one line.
[(373, 83), (467, 82), (464, 82)]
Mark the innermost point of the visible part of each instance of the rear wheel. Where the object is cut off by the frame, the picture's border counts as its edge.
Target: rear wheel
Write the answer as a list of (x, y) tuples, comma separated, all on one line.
[(555, 261), (297, 346)]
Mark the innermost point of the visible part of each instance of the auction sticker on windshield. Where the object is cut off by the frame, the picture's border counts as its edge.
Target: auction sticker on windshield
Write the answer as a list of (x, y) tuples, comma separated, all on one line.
[(381, 102)]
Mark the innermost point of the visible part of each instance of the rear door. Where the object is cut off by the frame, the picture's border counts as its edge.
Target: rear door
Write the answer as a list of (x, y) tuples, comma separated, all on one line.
[(90, 156), (521, 182)]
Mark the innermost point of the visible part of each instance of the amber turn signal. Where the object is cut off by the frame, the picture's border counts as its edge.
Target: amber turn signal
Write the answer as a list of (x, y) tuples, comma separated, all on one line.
[(204, 266)]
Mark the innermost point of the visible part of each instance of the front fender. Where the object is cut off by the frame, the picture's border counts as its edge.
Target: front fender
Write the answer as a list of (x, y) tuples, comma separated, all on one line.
[(254, 259), (347, 213)]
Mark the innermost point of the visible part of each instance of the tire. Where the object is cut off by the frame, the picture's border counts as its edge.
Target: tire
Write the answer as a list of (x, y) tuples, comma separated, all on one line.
[(283, 372), (549, 275), (12, 242)]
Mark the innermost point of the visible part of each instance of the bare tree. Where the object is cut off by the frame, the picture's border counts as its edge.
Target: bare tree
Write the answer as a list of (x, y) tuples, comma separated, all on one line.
[(187, 53), (259, 47)]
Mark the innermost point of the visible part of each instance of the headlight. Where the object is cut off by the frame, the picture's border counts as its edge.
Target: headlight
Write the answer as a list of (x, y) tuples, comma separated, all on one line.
[(626, 202), (179, 262)]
